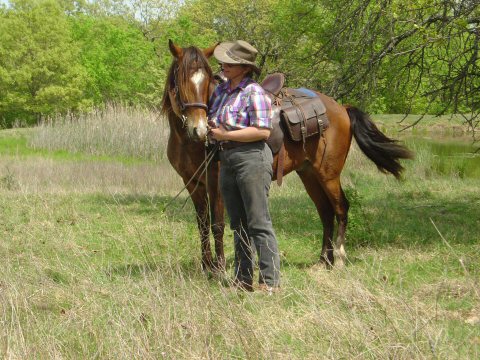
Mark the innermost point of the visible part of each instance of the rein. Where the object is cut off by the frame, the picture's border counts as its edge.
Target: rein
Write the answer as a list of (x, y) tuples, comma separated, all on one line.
[(203, 166)]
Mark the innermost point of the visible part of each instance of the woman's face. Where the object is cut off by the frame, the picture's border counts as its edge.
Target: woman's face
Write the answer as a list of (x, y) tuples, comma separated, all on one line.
[(235, 71)]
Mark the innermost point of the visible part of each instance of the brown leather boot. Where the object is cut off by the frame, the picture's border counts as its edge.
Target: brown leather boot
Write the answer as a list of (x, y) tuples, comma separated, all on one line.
[(270, 290), (242, 285)]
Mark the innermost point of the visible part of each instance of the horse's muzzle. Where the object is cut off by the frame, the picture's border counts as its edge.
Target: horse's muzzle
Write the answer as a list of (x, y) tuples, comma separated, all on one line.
[(200, 132)]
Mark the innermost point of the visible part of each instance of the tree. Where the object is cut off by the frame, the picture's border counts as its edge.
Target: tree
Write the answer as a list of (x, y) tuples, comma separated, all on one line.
[(39, 74), (428, 50), (121, 65)]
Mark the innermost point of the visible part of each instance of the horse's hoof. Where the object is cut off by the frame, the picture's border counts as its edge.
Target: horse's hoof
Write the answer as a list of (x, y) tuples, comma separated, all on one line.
[(326, 263), (219, 266), (340, 257), (214, 271), (207, 267), (218, 274), (319, 266), (339, 264)]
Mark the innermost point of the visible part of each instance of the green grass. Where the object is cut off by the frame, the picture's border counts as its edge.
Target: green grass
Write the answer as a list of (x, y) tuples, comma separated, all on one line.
[(93, 268)]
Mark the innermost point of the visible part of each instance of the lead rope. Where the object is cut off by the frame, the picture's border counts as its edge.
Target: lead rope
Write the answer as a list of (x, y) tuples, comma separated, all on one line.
[(203, 166), (209, 213)]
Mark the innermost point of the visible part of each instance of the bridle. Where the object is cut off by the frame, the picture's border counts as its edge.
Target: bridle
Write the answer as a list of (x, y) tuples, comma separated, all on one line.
[(181, 104)]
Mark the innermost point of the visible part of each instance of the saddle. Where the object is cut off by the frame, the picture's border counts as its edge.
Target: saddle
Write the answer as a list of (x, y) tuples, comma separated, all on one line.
[(298, 112)]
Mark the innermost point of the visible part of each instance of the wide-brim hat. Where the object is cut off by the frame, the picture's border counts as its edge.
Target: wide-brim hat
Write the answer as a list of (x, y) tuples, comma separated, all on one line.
[(238, 52)]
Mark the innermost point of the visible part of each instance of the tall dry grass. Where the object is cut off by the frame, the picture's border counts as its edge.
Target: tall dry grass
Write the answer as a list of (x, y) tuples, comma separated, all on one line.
[(113, 131), (169, 313), (36, 176)]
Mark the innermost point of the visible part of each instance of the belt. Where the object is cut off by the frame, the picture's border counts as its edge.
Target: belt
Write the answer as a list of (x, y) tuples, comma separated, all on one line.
[(227, 145)]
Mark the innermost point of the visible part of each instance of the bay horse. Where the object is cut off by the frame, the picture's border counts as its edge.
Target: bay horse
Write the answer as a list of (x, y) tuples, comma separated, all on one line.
[(318, 162), (189, 84)]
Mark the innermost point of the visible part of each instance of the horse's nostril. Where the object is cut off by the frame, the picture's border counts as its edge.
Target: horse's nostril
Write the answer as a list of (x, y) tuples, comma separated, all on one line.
[(200, 132)]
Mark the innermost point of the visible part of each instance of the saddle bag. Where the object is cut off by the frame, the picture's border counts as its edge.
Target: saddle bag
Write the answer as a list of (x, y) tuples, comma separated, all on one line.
[(306, 117)]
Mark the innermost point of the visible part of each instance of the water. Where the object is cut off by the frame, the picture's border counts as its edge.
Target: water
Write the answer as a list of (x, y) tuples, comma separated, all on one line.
[(448, 156)]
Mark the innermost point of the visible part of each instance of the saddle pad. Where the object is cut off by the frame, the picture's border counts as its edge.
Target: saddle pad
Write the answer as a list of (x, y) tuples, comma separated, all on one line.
[(308, 92)]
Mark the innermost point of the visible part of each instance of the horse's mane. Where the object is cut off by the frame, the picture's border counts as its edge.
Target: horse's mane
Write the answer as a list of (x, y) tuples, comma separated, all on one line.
[(192, 60)]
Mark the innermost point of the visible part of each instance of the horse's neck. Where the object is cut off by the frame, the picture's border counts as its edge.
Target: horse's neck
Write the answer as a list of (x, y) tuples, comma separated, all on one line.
[(176, 124)]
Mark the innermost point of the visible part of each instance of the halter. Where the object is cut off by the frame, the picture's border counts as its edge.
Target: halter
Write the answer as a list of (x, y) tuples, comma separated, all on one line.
[(184, 106)]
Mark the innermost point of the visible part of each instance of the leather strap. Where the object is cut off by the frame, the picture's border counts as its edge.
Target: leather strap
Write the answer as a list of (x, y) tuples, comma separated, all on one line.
[(227, 145), (280, 162)]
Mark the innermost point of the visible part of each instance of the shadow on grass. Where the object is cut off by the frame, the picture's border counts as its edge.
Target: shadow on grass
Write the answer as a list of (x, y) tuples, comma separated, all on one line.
[(142, 269), (412, 219), (381, 221), (181, 208), (135, 270)]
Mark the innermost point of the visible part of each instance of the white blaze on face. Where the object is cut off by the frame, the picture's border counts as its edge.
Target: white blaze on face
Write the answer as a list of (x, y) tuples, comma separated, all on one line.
[(197, 79)]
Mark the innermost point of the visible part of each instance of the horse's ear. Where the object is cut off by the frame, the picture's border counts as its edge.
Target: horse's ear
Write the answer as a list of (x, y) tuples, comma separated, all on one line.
[(209, 51), (175, 50)]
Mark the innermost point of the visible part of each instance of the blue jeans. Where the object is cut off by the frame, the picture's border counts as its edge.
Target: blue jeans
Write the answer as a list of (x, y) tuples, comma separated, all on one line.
[(245, 177)]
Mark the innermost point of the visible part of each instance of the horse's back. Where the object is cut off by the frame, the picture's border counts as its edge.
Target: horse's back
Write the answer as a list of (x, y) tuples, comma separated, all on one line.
[(339, 130), (337, 114)]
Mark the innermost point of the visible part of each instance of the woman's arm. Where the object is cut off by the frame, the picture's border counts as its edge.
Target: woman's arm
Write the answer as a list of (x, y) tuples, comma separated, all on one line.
[(248, 134)]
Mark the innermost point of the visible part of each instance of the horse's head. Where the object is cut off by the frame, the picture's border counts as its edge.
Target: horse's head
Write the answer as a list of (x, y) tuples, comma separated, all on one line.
[(189, 86)]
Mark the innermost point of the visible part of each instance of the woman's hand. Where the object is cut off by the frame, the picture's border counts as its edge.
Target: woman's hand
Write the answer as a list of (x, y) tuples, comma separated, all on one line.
[(219, 134)]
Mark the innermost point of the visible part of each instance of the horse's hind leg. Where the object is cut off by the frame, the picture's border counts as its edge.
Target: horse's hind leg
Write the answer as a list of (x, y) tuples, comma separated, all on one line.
[(324, 209), (337, 198)]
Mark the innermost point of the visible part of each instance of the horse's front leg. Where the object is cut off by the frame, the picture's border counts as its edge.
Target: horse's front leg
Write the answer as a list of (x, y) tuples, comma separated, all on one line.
[(217, 214), (199, 197)]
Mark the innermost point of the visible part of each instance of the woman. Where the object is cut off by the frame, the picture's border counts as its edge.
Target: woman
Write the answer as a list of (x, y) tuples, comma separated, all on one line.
[(240, 115)]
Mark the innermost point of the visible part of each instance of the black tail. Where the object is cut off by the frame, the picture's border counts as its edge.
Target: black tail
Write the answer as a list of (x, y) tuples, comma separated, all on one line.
[(382, 150)]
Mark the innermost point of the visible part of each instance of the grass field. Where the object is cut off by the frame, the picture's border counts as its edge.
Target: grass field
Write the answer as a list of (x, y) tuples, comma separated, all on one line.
[(92, 267)]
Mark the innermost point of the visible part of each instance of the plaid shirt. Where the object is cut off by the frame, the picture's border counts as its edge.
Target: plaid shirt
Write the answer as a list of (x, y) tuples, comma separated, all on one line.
[(246, 105)]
